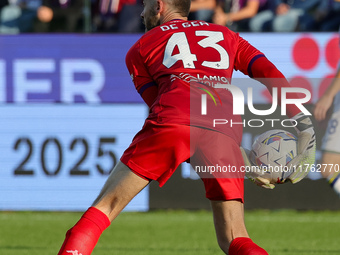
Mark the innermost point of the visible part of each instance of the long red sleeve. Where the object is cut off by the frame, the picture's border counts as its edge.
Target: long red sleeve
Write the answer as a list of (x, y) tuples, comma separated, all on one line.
[(266, 72)]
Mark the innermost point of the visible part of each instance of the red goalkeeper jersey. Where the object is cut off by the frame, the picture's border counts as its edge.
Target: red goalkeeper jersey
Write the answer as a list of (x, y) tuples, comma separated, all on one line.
[(185, 60)]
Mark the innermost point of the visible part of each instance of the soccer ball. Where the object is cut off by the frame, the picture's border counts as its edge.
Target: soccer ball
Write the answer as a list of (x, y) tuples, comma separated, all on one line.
[(271, 152)]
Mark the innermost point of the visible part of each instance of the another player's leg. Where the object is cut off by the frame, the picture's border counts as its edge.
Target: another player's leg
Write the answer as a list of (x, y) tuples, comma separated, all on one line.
[(330, 170), (231, 231), (331, 149), (119, 189)]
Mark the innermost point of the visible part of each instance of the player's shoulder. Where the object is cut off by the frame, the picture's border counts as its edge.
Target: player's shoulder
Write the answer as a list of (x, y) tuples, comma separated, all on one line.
[(133, 52)]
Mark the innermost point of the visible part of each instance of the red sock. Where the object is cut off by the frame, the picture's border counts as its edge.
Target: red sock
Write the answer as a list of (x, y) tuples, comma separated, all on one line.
[(245, 246), (81, 239)]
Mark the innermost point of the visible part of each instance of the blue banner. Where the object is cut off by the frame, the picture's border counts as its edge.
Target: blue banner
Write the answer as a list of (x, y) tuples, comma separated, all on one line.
[(66, 69)]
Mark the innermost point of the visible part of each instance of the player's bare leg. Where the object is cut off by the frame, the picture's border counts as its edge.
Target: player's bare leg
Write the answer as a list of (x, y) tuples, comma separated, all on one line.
[(229, 222), (330, 169), (119, 189), (230, 228)]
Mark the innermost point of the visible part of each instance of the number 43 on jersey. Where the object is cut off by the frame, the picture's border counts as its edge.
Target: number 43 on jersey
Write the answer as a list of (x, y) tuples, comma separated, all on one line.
[(211, 40)]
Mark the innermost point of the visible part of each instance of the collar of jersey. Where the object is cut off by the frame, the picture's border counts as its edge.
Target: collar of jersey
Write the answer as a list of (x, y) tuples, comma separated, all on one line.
[(174, 20)]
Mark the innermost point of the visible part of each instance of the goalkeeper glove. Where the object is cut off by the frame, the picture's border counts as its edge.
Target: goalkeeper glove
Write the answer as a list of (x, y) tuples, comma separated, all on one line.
[(254, 173), (306, 146)]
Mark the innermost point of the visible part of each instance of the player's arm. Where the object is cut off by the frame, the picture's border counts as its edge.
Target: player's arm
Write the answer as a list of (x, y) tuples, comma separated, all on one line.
[(149, 93), (254, 63), (263, 68), (325, 101), (144, 84), (260, 68)]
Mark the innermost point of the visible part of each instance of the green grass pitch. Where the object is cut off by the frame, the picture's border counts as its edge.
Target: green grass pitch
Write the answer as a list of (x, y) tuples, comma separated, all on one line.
[(173, 232)]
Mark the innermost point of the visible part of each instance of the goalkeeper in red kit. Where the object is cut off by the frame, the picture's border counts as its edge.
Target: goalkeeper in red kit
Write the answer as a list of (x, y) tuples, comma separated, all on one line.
[(174, 61)]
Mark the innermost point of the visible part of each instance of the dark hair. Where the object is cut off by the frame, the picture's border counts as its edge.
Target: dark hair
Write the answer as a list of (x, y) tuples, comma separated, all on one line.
[(183, 6)]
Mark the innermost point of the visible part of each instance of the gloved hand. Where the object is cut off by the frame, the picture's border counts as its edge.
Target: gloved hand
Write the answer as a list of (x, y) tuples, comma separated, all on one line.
[(306, 147), (254, 173)]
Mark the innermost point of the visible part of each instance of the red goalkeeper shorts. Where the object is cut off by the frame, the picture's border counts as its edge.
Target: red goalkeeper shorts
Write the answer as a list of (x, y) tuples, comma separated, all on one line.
[(158, 149)]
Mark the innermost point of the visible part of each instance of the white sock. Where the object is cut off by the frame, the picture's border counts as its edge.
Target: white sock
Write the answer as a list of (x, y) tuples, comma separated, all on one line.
[(334, 181)]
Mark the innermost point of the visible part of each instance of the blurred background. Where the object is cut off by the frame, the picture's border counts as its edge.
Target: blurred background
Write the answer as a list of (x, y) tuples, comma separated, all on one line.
[(123, 16), (68, 108)]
